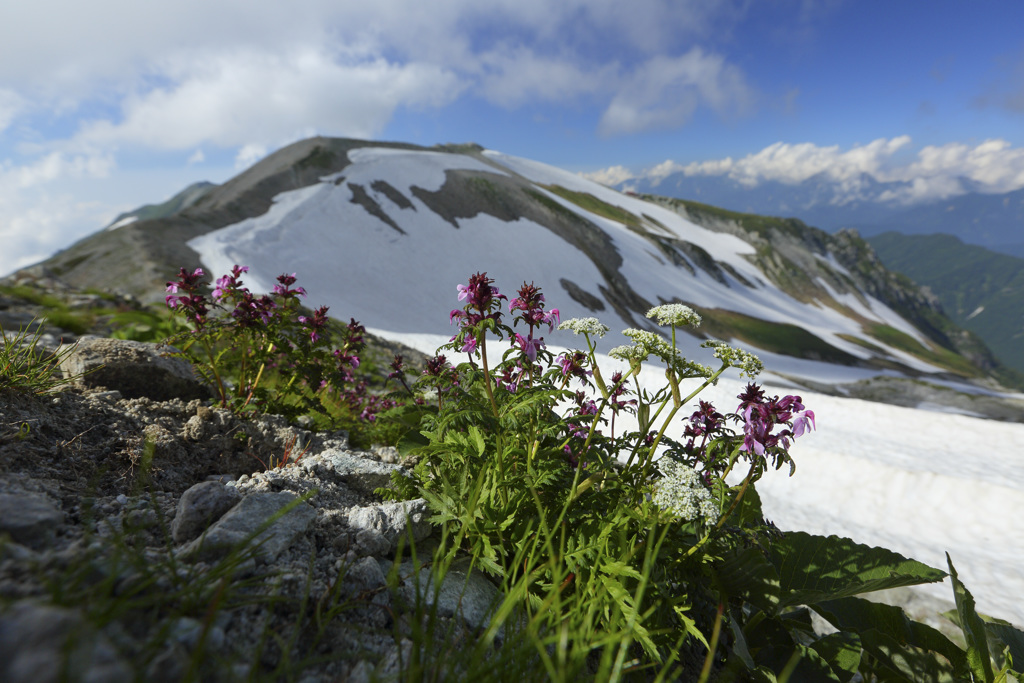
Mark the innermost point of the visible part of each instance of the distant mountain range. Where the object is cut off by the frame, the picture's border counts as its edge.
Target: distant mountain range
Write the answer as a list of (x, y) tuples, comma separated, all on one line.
[(980, 290), (383, 232), (995, 221)]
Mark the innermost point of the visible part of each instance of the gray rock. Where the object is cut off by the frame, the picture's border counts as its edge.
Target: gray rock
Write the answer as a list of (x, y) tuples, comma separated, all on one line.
[(358, 473), (200, 506), (40, 644), (245, 519), (464, 593), (393, 520), (31, 520), (136, 369), (372, 542)]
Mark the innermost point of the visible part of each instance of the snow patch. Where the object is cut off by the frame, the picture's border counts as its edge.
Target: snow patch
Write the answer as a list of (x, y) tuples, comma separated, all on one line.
[(127, 220)]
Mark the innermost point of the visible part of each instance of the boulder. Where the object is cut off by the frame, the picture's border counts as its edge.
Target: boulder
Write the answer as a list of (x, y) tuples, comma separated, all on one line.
[(201, 506), (243, 521), (31, 520), (135, 369)]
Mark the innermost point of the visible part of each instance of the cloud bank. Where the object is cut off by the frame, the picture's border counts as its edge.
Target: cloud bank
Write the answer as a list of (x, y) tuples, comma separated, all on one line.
[(932, 173)]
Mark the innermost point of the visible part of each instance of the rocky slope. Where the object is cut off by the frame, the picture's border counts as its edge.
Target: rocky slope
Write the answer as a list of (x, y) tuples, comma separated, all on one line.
[(164, 540)]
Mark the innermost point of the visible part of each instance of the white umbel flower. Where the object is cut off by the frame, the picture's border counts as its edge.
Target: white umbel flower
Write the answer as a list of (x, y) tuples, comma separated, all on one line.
[(584, 326), (681, 491), (674, 314), (749, 364)]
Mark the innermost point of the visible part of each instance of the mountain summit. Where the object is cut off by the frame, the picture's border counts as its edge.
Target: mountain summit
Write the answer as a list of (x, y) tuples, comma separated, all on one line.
[(383, 232)]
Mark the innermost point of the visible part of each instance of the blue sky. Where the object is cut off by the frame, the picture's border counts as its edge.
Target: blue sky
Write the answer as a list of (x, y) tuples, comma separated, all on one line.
[(110, 104)]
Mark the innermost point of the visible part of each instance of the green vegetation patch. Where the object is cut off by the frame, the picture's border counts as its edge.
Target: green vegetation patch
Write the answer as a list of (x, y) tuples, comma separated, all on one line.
[(762, 225), (589, 202), (33, 295), (941, 357), (783, 338), (555, 207)]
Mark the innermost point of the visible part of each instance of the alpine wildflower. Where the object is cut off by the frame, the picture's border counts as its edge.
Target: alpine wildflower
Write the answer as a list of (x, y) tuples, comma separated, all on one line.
[(674, 314), (585, 326), (749, 364), (681, 491)]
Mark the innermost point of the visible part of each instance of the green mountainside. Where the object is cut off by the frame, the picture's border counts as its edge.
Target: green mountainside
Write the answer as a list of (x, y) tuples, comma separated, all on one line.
[(813, 265), (980, 290)]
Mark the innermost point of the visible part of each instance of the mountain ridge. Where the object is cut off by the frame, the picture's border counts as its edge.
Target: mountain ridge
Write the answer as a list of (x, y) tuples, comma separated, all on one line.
[(864, 203), (370, 206), (982, 290)]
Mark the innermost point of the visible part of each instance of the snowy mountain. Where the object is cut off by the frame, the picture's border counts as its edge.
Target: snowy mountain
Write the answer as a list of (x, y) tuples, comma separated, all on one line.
[(384, 233), (995, 221)]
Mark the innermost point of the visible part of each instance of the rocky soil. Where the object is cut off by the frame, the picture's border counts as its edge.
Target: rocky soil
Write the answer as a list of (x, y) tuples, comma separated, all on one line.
[(145, 536), (121, 521)]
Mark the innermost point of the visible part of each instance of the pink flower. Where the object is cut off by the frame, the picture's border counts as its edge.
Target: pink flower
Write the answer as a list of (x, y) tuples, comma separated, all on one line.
[(529, 346)]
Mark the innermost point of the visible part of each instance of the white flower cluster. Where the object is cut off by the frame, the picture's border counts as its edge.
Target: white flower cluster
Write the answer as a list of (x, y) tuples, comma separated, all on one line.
[(648, 343), (584, 326), (682, 492), (628, 353), (749, 364), (674, 314)]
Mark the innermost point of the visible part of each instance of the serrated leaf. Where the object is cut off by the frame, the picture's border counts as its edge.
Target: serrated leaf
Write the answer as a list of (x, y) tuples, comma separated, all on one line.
[(973, 628), (748, 512), (617, 568), (842, 651), (886, 629), (1011, 638), (746, 573), (816, 568)]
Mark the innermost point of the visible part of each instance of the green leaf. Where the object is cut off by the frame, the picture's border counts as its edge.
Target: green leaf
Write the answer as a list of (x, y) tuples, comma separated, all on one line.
[(816, 568), (842, 652), (973, 628), (748, 513), (813, 668), (1010, 638), (746, 573), (887, 633)]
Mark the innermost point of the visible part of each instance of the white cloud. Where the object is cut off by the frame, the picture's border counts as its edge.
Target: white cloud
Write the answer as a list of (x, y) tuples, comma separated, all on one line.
[(197, 157), (37, 224), (234, 99), (55, 166), (610, 176), (933, 173), (795, 163), (249, 155), (11, 104), (664, 92), (511, 77)]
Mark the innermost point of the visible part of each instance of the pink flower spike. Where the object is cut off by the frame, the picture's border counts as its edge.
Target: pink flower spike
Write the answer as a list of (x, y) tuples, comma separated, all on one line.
[(803, 422)]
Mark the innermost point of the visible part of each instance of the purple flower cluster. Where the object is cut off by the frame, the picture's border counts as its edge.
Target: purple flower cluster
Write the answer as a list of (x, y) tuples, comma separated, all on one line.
[(316, 323), (762, 415), (572, 363), (531, 302), (482, 303), (704, 424), (578, 431), (188, 299), (619, 390), (267, 333)]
